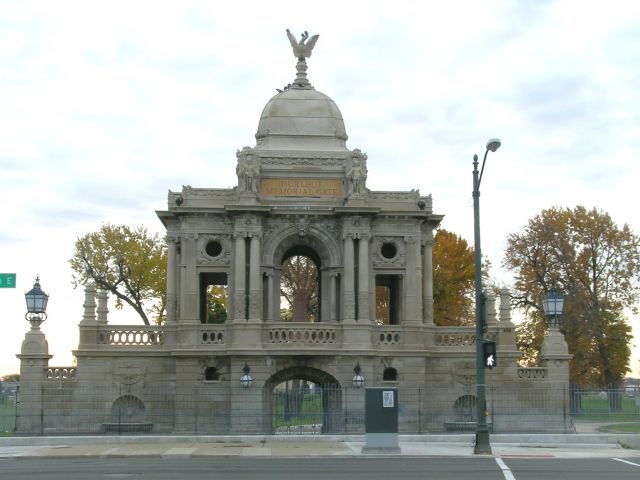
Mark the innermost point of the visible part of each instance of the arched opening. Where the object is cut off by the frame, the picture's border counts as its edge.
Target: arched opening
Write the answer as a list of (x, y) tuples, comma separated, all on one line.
[(303, 400), (127, 409), (464, 409), (300, 285), (128, 414)]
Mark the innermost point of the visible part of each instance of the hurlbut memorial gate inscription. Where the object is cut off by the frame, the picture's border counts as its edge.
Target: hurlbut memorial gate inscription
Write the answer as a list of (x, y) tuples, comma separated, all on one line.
[(365, 321)]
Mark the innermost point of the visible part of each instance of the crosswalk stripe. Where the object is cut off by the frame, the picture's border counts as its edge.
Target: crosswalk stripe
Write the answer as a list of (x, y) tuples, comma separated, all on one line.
[(505, 470), (627, 461)]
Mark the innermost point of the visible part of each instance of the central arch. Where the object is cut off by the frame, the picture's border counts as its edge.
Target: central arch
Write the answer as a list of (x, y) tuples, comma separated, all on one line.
[(322, 393), (316, 242)]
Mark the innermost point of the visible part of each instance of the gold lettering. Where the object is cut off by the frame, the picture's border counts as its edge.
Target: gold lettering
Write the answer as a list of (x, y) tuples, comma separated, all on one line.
[(300, 187)]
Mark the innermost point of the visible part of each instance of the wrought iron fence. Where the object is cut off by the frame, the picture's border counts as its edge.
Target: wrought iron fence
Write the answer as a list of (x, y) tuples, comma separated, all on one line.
[(61, 407)]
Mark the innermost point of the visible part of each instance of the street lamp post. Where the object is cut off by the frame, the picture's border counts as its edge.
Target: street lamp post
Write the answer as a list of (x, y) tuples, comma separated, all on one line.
[(482, 431)]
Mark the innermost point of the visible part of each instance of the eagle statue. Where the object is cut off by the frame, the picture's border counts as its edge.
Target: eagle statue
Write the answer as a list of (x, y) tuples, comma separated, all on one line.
[(302, 49)]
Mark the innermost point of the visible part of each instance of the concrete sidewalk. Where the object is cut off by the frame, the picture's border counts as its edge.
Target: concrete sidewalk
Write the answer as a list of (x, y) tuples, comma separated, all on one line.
[(526, 446)]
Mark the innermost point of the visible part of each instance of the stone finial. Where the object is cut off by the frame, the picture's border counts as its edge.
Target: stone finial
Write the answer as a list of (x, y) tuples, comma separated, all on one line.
[(490, 310), (302, 50), (89, 303), (103, 310), (505, 305)]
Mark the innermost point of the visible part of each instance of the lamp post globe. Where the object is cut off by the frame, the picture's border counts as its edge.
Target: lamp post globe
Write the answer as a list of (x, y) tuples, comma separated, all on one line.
[(358, 379), (493, 144), (36, 304), (553, 304), (246, 380)]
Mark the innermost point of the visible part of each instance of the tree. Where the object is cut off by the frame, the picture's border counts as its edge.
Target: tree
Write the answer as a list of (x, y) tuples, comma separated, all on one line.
[(216, 303), (596, 265), (127, 262), (299, 286), (453, 280)]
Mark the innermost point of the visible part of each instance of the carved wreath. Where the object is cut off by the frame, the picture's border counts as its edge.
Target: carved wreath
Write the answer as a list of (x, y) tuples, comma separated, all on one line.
[(380, 260), (223, 258)]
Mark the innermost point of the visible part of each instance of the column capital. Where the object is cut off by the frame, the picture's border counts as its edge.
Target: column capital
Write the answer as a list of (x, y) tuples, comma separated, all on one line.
[(172, 240), (427, 242)]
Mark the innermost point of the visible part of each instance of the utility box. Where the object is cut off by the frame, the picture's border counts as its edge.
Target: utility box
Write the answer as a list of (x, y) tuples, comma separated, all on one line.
[(381, 420)]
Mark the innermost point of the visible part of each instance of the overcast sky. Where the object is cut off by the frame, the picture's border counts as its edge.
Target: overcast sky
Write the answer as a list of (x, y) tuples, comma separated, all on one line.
[(105, 106)]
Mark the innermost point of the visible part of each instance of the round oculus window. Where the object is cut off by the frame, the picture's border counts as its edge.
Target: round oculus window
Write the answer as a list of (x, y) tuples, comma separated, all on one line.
[(213, 248), (388, 250)]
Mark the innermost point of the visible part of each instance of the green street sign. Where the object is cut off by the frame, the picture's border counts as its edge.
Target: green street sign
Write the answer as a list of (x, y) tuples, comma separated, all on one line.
[(7, 280)]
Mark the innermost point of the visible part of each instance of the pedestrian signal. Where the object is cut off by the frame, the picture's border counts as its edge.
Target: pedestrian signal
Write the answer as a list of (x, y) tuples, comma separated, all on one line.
[(489, 354)]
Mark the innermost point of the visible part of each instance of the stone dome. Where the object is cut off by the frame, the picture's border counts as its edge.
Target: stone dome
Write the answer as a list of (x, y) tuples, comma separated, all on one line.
[(301, 119)]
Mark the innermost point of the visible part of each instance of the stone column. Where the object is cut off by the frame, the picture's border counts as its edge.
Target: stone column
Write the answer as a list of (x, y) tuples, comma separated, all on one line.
[(239, 293), (427, 280), (255, 280), (270, 299), (333, 300), (275, 299), (189, 304), (172, 294), (363, 279), (412, 291), (348, 290)]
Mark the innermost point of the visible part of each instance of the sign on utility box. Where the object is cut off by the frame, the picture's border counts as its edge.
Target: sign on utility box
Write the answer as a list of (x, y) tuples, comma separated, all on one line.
[(381, 420), (7, 280)]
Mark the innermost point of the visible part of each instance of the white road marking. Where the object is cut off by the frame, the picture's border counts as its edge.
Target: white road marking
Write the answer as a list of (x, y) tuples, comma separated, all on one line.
[(505, 470), (627, 461)]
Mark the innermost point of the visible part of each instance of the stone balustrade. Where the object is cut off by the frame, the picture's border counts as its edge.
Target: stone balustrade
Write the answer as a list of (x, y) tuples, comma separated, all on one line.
[(60, 373), (283, 333), (128, 335), (455, 337), (532, 373), (211, 334), (301, 334), (460, 336), (388, 336)]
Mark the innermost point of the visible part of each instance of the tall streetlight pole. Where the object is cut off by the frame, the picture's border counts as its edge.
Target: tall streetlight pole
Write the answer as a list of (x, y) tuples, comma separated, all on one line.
[(482, 431)]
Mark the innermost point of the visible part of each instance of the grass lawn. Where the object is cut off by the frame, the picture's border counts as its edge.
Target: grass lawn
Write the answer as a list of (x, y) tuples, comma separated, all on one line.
[(7, 417), (632, 427), (310, 412)]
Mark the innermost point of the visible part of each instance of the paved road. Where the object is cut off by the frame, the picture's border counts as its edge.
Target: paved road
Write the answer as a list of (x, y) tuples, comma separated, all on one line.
[(392, 468)]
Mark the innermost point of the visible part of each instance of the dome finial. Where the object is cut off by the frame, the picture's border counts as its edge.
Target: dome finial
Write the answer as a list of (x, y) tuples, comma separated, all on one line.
[(302, 50)]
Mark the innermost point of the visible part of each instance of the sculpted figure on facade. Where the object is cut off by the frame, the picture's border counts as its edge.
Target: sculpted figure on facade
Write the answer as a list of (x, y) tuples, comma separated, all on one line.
[(248, 171), (358, 173)]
